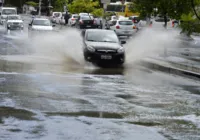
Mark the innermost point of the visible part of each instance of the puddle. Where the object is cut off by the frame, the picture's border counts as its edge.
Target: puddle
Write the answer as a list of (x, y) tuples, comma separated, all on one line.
[(88, 114), (17, 113)]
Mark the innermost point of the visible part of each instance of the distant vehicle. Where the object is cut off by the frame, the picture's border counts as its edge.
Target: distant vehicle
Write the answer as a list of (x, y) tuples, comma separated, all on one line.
[(83, 14), (39, 25), (135, 19), (73, 19), (14, 22), (103, 46), (5, 11), (99, 22), (158, 22), (85, 22), (110, 22), (55, 17), (124, 27), (121, 9), (62, 19)]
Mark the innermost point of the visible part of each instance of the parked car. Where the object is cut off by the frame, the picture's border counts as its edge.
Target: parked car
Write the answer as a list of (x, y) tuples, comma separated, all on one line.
[(124, 27), (14, 22), (73, 19), (55, 17), (103, 47), (99, 22), (39, 25), (85, 22), (83, 14), (110, 22), (158, 22)]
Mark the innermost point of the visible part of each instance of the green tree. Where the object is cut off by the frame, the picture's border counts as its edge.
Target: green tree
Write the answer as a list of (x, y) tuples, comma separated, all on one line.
[(176, 9), (59, 5), (32, 3), (88, 6)]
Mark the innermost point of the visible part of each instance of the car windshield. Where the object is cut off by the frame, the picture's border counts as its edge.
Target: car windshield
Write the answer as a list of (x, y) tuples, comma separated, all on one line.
[(14, 18), (9, 12), (125, 22), (56, 14), (85, 17), (102, 36), (42, 22)]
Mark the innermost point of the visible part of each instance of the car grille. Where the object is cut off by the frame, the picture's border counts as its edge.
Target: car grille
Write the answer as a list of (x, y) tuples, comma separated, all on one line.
[(107, 51), (15, 23)]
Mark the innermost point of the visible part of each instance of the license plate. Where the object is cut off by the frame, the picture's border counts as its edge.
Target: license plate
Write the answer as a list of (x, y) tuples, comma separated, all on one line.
[(88, 26), (106, 57), (126, 31)]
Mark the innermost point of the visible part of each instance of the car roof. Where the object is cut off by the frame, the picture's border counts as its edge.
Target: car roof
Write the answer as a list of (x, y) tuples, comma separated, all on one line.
[(99, 30), (13, 15), (41, 19), (8, 8), (124, 20)]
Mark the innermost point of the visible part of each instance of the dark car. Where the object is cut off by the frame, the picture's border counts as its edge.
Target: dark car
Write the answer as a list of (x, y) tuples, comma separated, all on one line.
[(86, 22), (103, 47)]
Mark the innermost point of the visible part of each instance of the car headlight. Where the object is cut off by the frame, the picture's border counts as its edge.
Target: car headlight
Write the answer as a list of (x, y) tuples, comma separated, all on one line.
[(91, 49), (121, 50)]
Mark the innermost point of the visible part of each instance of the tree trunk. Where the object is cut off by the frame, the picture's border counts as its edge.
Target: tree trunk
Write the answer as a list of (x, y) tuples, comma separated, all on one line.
[(165, 20)]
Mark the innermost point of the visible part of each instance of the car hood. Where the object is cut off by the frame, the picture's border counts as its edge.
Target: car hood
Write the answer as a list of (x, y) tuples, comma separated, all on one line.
[(48, 28), (103, 45), (16, 21)]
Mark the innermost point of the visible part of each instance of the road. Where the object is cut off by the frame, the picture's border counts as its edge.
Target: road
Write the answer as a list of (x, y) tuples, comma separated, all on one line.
[(48, 92)]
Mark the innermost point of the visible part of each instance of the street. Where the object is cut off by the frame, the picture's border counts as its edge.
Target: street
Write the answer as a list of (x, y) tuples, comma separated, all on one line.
[(49, 92)]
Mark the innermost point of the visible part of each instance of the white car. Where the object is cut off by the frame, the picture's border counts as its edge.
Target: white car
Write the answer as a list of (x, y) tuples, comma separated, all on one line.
[(5, 11), (124, 27), (14, 22), (39, 25), (83, 14), (158, 23), (73, 19), (56, 16)]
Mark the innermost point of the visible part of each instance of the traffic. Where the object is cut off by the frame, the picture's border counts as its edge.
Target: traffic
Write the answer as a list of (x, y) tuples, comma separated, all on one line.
[(102, 37)]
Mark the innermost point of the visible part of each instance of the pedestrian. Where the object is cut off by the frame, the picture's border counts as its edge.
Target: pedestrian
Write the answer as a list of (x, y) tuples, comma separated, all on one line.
[(66, 18)]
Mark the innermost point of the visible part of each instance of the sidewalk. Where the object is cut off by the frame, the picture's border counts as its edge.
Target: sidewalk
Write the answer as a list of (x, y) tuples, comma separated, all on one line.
[(173, 65)]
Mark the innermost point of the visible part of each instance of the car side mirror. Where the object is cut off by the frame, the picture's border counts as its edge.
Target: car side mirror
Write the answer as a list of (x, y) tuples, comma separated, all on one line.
[(53, 25), (30, 24), (123, 42)]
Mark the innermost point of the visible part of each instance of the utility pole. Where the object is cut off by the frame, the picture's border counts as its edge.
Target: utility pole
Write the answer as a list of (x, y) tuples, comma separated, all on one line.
[(40, 3)]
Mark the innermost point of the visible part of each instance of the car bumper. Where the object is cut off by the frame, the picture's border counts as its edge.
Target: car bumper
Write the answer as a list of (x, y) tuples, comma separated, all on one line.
[(104, 58), (15, 28), (125, 32), (88, 26)]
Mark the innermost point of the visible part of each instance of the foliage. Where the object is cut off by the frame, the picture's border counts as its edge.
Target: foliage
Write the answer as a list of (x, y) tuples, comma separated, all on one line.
[(32, 3), (98, 12), (59, 5), (176, 9), (86, 6)]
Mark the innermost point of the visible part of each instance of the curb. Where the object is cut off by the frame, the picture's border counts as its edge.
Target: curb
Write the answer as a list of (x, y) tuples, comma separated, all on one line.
[(167, 68)]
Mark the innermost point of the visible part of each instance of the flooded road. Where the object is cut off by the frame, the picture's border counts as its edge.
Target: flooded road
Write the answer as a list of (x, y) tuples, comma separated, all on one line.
[(56, 96)]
